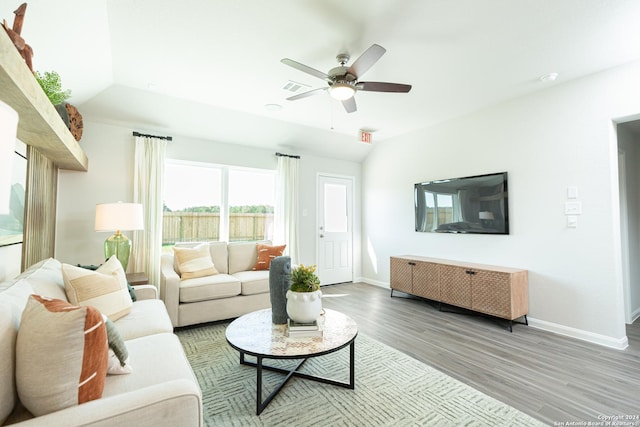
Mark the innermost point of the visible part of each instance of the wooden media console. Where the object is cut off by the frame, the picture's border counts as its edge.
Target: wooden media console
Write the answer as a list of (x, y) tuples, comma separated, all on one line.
[(497, 291)]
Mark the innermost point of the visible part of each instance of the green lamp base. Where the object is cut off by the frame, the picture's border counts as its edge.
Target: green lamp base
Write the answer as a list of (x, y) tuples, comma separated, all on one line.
[(120, 246)]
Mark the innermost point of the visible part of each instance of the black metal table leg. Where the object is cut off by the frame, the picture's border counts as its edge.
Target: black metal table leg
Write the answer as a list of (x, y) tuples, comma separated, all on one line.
[(260, 367)]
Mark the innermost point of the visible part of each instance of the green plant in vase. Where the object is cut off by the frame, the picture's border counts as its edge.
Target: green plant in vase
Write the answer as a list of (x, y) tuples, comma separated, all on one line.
[(304, 279), (50, 83), (304, 298)]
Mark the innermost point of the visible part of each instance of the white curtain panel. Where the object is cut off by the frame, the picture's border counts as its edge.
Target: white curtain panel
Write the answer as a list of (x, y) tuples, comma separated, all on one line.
[(148, 185), (286, 209)]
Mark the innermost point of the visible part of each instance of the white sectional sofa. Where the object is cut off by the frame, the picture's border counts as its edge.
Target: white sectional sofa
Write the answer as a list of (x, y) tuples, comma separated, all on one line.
[(234, 291), (161, 390)]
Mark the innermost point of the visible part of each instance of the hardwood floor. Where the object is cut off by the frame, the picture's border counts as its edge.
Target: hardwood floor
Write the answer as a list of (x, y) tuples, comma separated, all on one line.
[(548, 376)]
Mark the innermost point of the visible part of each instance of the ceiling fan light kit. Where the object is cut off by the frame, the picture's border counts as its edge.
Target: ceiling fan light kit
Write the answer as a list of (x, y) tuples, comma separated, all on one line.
[(342, 91), (343, 82)]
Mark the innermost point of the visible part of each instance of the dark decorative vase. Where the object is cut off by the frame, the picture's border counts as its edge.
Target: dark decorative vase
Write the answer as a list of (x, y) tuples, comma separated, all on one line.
[(279, 283)]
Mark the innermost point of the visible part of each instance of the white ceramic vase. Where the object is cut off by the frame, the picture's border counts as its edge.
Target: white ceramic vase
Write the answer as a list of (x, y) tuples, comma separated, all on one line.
[(304, 307)]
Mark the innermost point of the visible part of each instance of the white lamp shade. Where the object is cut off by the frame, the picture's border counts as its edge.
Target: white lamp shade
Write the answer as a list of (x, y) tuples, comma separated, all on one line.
[(119, 216), (8, 131)]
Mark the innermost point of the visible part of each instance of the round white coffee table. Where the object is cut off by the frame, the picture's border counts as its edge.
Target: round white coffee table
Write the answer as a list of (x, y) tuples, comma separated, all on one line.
[(255, 334)]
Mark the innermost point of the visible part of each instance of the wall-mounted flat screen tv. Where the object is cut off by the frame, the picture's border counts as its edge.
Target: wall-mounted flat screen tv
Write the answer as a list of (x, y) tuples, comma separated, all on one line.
[(473, 204)]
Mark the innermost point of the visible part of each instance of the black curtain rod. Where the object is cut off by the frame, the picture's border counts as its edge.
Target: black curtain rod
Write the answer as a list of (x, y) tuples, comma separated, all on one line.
[(168, 138), (287, 155)]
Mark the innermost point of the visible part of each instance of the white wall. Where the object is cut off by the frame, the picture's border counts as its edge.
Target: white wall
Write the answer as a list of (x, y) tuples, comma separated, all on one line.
[(110, 150), (548, 141)]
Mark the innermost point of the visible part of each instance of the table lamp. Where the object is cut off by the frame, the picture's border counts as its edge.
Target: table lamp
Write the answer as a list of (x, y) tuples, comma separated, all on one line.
[(8, 130), (116, 217)]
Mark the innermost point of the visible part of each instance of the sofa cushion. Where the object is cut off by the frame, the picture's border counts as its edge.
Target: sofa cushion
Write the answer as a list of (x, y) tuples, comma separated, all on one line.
[(210, 287), (265, 254), (45, 279), (147, 317), (194, 262), (253, 282), (106, 288), (156, 359), (242, 256), (61, 355), (12, 302)]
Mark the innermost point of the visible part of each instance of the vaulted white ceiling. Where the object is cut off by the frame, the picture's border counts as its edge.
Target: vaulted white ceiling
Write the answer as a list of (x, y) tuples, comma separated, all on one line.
[(206, 69)]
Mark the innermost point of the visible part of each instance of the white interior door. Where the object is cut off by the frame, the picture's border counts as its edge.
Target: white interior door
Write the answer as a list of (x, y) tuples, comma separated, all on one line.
[(335, 229)]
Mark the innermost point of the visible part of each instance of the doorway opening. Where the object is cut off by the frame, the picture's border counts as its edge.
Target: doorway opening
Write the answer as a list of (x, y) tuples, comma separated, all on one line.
[(628, 136)]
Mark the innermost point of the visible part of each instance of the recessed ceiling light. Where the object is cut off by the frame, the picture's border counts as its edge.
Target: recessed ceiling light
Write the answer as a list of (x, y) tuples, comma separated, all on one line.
[(273, 107), (549, 77)]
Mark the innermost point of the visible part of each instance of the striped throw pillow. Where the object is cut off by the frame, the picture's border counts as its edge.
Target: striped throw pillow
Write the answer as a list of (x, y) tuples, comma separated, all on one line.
[(194, 262), (106, 288), (61, 355)]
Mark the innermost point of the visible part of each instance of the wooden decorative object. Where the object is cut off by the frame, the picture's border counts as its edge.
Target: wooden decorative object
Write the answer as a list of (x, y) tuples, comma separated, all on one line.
[(75, 121), (14, 34), (71, 118)]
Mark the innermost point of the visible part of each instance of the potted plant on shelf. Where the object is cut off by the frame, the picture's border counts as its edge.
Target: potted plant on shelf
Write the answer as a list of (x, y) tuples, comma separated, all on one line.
[(304, 298), (50, 83)]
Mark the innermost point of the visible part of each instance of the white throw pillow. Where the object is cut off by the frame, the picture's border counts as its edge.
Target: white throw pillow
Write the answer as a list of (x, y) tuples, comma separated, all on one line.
[(106, 288), (194, 262), (115, 367)]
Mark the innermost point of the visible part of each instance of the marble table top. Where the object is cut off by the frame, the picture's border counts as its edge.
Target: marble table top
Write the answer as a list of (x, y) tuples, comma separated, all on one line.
[(255, 334)]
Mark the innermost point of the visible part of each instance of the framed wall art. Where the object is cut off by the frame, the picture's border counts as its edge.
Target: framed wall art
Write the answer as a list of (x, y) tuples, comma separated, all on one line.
[(11, 225)]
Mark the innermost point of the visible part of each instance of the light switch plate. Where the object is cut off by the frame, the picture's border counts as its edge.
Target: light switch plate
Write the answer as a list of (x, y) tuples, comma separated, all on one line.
[(572, 221), (572, 192), (572, 208)]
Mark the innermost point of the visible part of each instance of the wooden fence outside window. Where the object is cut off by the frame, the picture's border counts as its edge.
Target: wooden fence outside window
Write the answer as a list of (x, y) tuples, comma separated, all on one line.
[(201, 226)]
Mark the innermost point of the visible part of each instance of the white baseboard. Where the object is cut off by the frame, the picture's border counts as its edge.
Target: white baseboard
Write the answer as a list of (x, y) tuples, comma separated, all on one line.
[(635, 315), (618, 344), (373, 282)]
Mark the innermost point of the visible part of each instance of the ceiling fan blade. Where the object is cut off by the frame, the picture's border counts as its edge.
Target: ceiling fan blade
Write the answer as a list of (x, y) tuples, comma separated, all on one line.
[(305, 69), (350, 105), (306, 94), (366, 60), (383, 87)]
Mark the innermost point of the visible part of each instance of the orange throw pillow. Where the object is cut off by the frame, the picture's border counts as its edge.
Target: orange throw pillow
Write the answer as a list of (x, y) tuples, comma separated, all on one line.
[(265, 254)]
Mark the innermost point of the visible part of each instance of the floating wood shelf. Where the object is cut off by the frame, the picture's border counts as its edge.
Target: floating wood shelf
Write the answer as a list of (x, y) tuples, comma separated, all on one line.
[(39, 125)]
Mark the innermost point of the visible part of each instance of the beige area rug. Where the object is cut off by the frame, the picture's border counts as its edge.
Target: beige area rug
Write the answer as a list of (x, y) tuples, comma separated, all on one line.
[(392, 389)]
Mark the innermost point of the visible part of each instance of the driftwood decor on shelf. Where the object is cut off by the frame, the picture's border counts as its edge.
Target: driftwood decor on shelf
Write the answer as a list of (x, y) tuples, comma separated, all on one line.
[(14, 34), (72, 118)]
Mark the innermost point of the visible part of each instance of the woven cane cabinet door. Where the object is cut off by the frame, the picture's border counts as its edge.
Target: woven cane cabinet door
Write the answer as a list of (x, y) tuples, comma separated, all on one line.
[(401, 274), (426, 280), (455, 286), (500, 294)]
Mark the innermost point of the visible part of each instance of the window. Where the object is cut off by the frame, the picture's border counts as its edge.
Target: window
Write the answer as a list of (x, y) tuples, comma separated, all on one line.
[(204, 202), (251, 202)]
